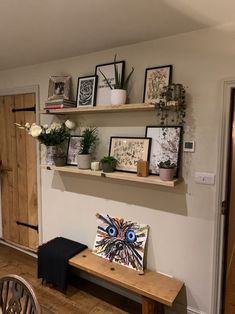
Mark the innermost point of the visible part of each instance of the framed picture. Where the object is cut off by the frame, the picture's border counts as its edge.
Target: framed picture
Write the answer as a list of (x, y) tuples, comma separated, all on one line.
[(103, 90), (86, 91), (129, 150), (155, 79), (165, 146), (73, 149), (59, 87)]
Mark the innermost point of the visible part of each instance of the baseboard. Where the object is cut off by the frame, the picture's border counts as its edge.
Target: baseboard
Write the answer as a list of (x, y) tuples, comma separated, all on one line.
[(191, 310), (19, 248)]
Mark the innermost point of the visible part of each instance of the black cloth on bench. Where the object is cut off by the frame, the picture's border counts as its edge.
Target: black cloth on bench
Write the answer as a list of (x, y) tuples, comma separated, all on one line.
[(53, 259)]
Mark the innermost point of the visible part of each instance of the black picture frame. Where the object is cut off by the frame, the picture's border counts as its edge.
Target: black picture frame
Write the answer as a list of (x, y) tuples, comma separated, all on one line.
[(129, 150), (73, 150), (86, 91), (166, 144), (103, 90), (155, 79)]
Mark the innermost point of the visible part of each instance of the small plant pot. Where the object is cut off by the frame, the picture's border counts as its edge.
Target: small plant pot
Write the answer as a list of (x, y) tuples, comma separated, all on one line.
[(118, 96), (166, 174), (107, 167), (84, 161)]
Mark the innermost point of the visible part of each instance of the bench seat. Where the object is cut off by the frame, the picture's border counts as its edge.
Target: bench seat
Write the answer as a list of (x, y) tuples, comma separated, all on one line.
[(156, 289)]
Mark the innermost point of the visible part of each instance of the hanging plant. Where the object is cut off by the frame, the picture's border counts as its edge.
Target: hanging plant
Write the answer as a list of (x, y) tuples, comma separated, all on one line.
[(171, 105)]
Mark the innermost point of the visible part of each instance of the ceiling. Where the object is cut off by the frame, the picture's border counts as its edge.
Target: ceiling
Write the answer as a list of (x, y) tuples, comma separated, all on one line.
[(35, 31)]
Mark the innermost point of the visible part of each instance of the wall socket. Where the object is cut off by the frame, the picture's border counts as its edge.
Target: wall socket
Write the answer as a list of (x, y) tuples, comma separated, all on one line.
[(204, 178)]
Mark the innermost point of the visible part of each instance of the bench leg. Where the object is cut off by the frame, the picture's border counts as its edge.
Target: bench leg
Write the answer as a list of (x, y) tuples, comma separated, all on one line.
[(151, 307)]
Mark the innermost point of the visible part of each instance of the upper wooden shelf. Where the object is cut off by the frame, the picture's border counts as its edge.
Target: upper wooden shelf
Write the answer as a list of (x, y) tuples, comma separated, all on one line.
[(101, 109), (117, 175)]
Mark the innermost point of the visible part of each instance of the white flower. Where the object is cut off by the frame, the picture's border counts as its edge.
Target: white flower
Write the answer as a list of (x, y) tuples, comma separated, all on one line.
[(69, 124), (35, 130), (27, 125), (55, 126), (45, 126), (48, 131)]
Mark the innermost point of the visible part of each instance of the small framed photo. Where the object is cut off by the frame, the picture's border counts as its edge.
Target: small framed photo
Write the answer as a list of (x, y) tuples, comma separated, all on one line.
[(73, 149), (129, 150), (59, 87), (155, 79), (86, 91), (103, 90), (165, 146)]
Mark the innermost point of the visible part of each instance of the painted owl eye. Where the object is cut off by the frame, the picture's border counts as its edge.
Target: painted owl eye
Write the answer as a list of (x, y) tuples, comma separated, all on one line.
[(130, 236), (112, 231)]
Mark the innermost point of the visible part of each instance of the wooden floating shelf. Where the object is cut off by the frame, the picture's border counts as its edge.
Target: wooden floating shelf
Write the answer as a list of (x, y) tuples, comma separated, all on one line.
[(101, 109), (117, 175)]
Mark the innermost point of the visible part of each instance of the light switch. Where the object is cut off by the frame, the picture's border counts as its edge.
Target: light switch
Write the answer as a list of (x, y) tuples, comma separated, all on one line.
[(204, 178)]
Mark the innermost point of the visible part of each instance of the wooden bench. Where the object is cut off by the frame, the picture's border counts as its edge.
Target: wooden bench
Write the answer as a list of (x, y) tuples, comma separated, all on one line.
[(155, 289)]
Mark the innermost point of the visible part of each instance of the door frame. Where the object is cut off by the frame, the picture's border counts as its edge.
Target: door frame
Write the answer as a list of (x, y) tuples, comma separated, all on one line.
[(224, 96), (19, 91)]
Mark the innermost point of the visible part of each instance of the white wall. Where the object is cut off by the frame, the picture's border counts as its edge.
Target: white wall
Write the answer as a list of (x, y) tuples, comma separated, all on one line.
[(181, 220)]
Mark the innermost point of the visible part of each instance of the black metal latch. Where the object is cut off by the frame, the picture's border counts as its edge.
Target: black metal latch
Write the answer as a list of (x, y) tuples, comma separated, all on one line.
[(25, 109), (27, 225)]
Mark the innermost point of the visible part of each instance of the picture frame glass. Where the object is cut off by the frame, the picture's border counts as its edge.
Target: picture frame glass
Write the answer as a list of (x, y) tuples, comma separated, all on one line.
[(73, 150), (129, 150), (165, 146), (155, 80), (103, 90), (59, 87), (86, 91)]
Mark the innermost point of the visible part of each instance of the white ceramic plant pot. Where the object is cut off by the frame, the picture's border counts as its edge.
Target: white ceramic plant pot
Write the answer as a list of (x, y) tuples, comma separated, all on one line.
[(84, 161), (166, 174), (118, 96)]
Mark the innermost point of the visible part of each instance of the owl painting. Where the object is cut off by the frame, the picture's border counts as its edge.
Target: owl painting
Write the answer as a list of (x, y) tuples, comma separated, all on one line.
[(121, 241)]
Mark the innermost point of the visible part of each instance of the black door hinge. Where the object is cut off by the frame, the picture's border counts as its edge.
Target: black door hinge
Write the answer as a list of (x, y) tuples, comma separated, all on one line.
[(27, 225), (24, 109)]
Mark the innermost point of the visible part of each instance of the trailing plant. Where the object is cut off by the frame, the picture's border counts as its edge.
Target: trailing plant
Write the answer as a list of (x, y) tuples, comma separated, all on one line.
[(119, 83), (109, 160), (49, 135), (166, 164), (88, 140), (170, 105)]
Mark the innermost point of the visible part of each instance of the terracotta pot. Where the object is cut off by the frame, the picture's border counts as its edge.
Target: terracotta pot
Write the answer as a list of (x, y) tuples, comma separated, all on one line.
[(166, 174), (118, 96), (84, 161)]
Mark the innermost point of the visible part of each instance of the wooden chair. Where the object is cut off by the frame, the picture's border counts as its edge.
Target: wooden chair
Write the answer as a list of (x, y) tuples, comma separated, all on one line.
[(17, 296)]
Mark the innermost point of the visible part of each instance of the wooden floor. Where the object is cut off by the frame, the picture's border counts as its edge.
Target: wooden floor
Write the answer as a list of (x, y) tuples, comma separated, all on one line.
[(75, 301)]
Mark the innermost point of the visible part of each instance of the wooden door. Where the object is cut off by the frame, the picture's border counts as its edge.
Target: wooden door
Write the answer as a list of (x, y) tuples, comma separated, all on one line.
[(18, 172), (229, 297)]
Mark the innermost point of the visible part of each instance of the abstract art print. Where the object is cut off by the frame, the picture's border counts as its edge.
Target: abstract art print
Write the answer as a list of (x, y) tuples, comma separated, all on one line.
[(155, 79), (128, 151), (86, 91), (165, 146), (121, 241)]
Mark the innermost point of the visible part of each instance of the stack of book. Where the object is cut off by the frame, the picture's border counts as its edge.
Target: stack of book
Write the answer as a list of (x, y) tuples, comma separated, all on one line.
[(59, 103)]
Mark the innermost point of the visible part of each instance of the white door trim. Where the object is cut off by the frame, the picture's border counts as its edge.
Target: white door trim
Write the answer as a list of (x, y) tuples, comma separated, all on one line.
[(27, 90), (226, 88)]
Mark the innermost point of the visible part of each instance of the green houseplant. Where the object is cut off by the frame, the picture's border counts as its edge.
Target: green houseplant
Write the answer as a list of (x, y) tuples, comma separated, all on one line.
[(119, 88), (166, 170), (87, 144), (108, 163)]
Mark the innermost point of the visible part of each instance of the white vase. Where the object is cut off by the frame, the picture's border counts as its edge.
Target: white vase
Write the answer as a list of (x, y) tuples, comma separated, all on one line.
[(84, 161), (56, 155), (118, 96)]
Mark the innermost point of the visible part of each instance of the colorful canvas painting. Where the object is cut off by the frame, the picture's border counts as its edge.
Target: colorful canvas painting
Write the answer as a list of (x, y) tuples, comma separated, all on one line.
[(121, 241)]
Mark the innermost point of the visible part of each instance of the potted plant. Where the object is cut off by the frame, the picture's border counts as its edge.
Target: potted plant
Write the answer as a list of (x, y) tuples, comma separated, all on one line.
[(119, 89), (166, 170), (108, 163), (54, 137), (88, 141)]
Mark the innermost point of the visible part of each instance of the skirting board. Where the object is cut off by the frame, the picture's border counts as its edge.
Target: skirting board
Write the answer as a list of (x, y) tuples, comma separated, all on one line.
[(190, 310)]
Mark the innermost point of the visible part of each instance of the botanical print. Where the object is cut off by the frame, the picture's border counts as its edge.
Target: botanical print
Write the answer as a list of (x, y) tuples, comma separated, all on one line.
[(86, 91), (73, 150), (155, 80), (128, 151), (165, 145), (121, 241)]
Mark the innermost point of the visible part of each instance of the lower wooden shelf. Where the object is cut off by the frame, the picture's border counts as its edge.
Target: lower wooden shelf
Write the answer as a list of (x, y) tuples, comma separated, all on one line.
[(118, 175)]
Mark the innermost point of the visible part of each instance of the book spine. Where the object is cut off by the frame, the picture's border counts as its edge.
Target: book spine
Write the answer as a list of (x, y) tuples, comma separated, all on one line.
[(57, 106)]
